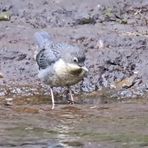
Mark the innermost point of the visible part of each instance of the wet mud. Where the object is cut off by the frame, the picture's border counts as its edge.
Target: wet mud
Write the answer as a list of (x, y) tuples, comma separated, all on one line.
[(114, 34)]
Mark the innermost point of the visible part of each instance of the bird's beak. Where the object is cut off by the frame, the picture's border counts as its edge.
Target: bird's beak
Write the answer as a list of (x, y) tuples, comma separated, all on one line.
[(85, 69)]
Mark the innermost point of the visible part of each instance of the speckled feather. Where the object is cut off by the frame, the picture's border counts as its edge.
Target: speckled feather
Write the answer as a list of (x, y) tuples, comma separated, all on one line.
[(51, 52), (55, 61)]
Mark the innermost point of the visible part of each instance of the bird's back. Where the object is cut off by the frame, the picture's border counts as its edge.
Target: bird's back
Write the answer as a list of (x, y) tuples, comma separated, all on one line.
[(47, 54), (50, 51), (55, 61)]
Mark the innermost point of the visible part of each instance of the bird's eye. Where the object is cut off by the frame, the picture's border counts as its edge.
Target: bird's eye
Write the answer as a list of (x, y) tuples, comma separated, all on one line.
[(75, 60)]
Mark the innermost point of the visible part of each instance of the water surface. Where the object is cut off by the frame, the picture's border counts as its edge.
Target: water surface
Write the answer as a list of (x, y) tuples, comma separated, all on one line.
[(30, 123)]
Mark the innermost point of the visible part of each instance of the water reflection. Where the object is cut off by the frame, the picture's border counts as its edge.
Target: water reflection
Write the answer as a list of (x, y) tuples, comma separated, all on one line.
[(29, 124), (68, 117)]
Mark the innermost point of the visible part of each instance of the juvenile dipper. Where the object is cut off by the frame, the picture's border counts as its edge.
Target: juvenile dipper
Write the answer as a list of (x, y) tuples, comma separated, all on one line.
[(60, 64)]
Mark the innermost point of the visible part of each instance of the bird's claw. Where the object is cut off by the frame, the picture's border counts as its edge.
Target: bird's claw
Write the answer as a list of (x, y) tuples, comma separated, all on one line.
[(71, 102)]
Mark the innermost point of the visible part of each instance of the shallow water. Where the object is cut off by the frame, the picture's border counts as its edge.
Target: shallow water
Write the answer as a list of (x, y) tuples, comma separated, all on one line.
[(30, 123)]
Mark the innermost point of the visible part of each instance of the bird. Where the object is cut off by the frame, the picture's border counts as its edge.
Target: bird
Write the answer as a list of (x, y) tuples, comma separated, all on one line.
[(60, 64)]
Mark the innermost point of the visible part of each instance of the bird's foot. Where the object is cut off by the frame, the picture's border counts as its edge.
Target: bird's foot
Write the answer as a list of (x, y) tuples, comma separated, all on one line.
[(52, 106), (71, 102)]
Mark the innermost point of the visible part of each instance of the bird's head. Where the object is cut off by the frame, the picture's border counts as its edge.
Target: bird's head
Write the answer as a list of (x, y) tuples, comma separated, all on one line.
[(75, 58)]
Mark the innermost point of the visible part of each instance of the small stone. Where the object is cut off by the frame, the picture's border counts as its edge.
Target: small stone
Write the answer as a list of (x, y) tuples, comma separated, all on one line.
[(100, 44), (1, 75), (9, 101), (4, 16), (125, 83)]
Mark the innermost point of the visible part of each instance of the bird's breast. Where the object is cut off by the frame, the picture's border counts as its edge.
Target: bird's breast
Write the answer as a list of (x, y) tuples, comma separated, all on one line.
[(67, 73)]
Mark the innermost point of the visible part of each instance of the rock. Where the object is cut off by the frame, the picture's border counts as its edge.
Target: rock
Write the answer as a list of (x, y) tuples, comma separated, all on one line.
[(21, 57), (85, 20), (4, 16), (125, 83), (1, 75), (8, 101)]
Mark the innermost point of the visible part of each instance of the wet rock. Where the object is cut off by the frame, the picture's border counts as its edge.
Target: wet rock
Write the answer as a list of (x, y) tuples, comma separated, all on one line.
[(85, 20), (21, 57), (100, 44), (125, 94), (1, 75), (125, 83), (8, 101), (4, 16)]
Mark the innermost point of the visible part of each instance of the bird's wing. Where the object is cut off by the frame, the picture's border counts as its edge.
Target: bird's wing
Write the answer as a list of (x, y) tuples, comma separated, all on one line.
[(48, 53), (47, 57)]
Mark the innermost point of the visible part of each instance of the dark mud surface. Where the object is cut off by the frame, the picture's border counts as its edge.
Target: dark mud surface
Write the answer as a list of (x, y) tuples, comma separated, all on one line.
[(115, 36), (114, 33)]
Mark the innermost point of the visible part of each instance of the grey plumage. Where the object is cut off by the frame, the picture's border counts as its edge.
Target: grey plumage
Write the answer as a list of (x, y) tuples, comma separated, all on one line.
[(47, 55), (43, 39), (60, 64)]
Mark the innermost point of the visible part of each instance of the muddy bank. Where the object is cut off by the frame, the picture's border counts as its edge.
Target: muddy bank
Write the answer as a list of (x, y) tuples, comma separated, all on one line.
[(114, 33)]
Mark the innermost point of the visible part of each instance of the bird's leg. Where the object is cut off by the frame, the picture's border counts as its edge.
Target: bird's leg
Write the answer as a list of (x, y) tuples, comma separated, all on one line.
[(52, 98), (71, 96)]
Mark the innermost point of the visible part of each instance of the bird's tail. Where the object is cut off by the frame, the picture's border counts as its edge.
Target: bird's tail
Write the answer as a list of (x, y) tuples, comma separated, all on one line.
[(43, 39)]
